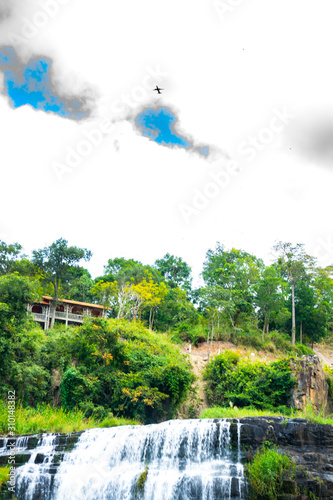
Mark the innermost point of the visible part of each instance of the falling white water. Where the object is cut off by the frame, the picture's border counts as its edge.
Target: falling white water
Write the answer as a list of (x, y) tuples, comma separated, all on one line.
[(21, 444), (184, 460), (34, 476)]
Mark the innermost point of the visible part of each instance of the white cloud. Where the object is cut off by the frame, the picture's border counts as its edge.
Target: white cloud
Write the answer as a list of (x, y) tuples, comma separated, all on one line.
[(125, 202)]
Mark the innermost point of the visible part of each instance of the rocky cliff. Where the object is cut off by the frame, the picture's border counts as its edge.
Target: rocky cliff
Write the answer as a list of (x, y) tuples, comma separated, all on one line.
[(309, 444), (311, 384)]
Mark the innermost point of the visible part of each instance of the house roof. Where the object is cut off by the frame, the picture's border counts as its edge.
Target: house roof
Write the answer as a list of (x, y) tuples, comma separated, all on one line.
[(74, 302)]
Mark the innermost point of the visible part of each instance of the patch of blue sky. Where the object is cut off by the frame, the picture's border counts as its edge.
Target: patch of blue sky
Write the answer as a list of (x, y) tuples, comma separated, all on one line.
[(31, 85), (34, 88), (158, 125)]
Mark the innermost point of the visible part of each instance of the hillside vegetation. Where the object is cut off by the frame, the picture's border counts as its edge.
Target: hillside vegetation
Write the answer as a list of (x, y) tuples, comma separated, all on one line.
[(130, 365)]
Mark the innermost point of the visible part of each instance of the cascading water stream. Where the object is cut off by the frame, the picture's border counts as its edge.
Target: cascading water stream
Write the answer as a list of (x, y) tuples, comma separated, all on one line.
[(34, 476), (175, 460)]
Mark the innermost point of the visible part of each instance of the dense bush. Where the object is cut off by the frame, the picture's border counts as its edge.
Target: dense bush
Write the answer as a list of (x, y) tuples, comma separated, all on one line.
[(246, 383), (103, 367), (4, 475), (266, 474), (302, 350), (190, 333), (122, 367), (329, 377)]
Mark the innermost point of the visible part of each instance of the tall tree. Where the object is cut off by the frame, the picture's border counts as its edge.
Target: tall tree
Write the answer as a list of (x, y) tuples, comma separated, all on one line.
[(57, 262), (294, 263), (78, 286), (15, 293), (175, 271), (8, 255), (270, 296), (128, 270), (236, 273)]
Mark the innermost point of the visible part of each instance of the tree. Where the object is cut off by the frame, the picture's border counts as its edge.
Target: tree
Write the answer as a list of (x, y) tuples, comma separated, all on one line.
[(175, 271), (128, 270), (323, 283), (234, 274), (79, 285), (106, 293), (15, 293), (57, 262), (313, 309), (294, 264), (130, 298), (217, 303), (150, 295), (8, 255), (175, 311), (270, 297)]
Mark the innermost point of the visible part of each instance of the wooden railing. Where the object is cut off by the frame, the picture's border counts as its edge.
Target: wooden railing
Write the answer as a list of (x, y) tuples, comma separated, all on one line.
[(59, 315)]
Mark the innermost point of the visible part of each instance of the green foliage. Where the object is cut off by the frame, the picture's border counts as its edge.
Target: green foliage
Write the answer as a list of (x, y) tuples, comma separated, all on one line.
[(329, 377), (16, 291), (267, 471), (75, 388), (175, 271), (308, 414), (280, 340), (269, 297), (31, 382), (97, 412), (8, 256), (120, 366), (57, 264), (116, 422), (78, 285), (248, 337), (45, 418), (4, 475), (21, 364), (140, 485), (192, 334), (247, 383), (231, 278), (302, 350), (234, 412)]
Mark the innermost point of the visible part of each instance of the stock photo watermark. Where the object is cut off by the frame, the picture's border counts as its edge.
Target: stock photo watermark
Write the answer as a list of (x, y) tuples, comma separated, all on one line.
[(323, 250), (225, 7), (99, 472), (92, 138), (12, 442), (30, 27), (220, 180), (249, 148)]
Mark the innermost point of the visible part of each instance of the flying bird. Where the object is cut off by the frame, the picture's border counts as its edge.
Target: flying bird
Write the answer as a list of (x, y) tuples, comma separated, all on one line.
[(158, 89)]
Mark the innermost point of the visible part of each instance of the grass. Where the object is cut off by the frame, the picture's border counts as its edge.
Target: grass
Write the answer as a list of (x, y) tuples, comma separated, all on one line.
[(45, 418), (4, 475), (309, 414), (267, 472), (219, 412)]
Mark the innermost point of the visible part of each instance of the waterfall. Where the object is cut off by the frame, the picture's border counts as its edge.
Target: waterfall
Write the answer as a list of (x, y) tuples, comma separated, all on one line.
[(174, 460), (34, 477)]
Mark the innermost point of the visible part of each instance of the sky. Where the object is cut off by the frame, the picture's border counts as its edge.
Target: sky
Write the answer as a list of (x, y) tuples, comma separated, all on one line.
[(237, 148)]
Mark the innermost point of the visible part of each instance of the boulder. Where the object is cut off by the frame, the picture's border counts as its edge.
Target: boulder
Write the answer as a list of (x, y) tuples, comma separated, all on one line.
[(311, 385)]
